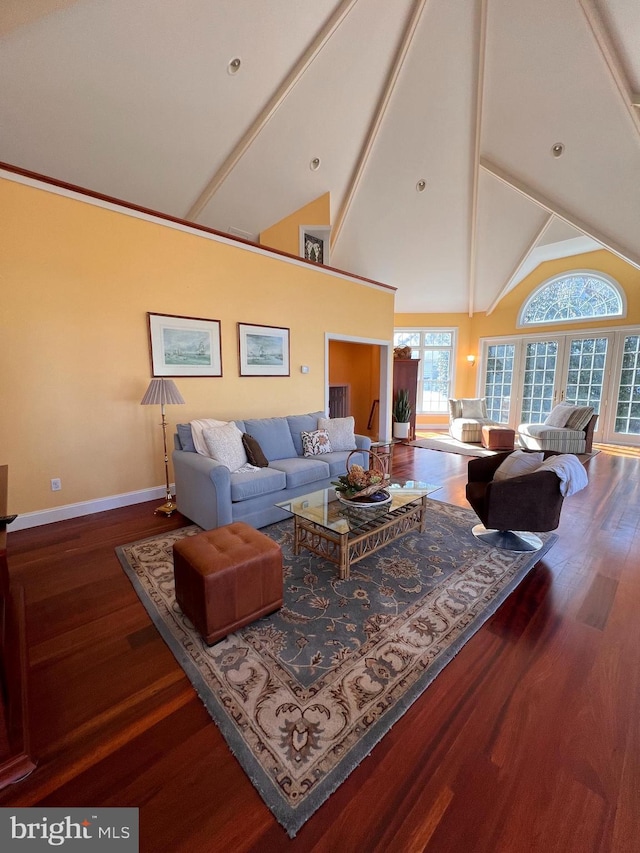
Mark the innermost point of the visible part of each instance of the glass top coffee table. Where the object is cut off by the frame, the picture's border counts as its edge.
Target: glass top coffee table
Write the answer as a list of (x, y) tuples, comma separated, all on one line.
[(344, 532)]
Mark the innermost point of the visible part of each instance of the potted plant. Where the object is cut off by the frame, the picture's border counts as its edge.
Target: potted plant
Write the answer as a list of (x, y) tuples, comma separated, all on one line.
[(401, 414)]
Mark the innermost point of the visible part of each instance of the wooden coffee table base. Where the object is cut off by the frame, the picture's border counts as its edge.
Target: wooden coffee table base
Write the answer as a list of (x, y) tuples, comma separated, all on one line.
[(344, 549)]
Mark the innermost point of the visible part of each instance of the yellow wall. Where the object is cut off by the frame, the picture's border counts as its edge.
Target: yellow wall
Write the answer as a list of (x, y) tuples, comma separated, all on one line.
[(503, 320), (78, 281), (358, 366), (285, 235)]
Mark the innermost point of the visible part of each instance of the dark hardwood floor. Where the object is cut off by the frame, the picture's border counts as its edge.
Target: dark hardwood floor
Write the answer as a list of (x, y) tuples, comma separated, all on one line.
[(528, 741)]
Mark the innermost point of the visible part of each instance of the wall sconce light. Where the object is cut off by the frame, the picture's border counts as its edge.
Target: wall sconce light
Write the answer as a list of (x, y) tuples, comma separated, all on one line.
[(472, 360)]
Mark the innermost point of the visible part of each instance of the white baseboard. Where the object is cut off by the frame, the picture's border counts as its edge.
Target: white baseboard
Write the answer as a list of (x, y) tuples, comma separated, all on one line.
[(62, 513)]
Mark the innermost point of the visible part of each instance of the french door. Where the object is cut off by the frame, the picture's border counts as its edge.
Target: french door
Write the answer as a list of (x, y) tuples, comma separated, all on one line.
[(625, 416), (525, 378)]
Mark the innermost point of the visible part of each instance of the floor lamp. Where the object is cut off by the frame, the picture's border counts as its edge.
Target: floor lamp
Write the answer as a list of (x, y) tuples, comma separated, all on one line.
[(163, 392)]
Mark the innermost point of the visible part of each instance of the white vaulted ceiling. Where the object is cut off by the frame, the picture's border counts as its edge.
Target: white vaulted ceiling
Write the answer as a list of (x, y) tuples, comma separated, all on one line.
[(135, 100)]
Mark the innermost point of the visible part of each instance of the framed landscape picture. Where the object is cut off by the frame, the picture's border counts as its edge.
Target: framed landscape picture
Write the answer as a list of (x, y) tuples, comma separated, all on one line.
[(263, 350), (184, 346)]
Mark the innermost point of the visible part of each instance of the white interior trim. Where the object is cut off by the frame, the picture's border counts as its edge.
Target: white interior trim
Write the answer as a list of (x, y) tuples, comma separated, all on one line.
[(523, 259), (270, 108), (61, 513), (376, 122), (631, 257), (386, 378), (475, 166), (611, 58)]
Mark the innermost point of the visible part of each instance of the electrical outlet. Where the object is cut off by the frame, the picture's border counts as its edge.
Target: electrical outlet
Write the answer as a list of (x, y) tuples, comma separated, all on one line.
[(56, 484)]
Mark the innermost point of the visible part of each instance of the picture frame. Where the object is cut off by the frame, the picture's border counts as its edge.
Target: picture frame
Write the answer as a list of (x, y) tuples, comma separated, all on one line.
[(263, 350), (314, 243), (184, 346), (314, 248)]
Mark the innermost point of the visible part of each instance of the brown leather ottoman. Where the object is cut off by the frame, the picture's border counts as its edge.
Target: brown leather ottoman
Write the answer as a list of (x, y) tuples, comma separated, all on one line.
[(226, 578), (498, 437)]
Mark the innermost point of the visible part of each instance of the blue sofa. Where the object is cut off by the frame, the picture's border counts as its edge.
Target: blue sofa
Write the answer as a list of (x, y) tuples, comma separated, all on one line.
[(211, 495)]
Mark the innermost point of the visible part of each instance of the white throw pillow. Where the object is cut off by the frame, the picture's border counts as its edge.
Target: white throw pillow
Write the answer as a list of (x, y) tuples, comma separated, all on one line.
[(197, 428), (517, 463), (225, 446), (474, 408), (559, 415), (341, 432)]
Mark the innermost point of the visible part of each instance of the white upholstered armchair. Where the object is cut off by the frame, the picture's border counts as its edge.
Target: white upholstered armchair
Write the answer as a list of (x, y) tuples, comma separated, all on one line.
[(566, 429), (466, 419)]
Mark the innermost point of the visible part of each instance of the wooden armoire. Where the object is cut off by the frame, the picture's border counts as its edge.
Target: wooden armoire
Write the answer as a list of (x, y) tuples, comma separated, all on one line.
[(405, 375)]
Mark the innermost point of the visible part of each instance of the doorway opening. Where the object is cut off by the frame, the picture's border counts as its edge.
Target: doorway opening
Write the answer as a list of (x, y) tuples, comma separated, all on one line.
[(362, 366)]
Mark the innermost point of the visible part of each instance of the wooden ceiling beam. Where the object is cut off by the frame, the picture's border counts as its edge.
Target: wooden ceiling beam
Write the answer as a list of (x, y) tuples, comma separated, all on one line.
[(630, 256), (610, 56), (509, 284), (376, 122), (268, 111), (475, 165)]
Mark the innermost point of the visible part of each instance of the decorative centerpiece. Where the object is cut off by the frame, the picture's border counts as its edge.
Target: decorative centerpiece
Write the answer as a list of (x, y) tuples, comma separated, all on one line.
[(361, 487)]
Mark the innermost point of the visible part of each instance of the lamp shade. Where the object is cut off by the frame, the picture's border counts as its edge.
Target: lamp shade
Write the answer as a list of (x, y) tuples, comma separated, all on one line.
[(161, 392)]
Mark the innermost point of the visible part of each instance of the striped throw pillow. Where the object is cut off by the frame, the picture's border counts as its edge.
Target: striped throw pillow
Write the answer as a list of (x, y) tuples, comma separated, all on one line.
[(579, 417)]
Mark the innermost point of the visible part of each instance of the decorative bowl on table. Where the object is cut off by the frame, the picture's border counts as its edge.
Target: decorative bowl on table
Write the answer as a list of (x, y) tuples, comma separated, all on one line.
[(363, 488), (380, 498)]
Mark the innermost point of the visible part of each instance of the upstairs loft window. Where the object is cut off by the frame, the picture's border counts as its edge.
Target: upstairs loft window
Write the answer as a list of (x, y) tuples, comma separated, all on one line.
[(579, 295), (435, 349)]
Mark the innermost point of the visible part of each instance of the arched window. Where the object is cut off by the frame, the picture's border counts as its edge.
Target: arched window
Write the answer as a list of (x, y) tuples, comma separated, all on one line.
[(578, 295)]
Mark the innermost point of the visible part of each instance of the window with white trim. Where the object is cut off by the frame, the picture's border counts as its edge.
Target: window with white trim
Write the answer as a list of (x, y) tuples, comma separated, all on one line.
[(578, 295), (435, 348), (628, 403)]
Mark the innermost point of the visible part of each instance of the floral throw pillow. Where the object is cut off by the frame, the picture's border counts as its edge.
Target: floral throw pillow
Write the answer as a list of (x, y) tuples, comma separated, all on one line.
[(316, 442)]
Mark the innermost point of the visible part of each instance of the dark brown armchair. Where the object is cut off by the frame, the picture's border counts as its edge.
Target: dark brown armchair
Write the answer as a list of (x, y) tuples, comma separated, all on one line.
[(509, 509)]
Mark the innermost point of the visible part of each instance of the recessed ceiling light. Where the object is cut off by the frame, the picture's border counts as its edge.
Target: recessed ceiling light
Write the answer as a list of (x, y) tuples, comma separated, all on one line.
[(421, 185), (558, 149), (314, 165), (234, 66)]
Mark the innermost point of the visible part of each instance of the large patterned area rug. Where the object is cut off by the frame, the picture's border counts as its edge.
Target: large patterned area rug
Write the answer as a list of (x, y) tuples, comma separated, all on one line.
[(448, 444), (303, 695)]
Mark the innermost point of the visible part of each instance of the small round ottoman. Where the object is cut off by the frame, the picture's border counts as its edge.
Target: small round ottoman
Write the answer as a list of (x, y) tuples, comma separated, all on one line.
[(498, 437), (226, 578)]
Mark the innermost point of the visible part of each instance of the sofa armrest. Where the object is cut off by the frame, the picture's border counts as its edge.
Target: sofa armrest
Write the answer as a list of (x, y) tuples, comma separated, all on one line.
[(363, 442), (203, 489), (588, 433)]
